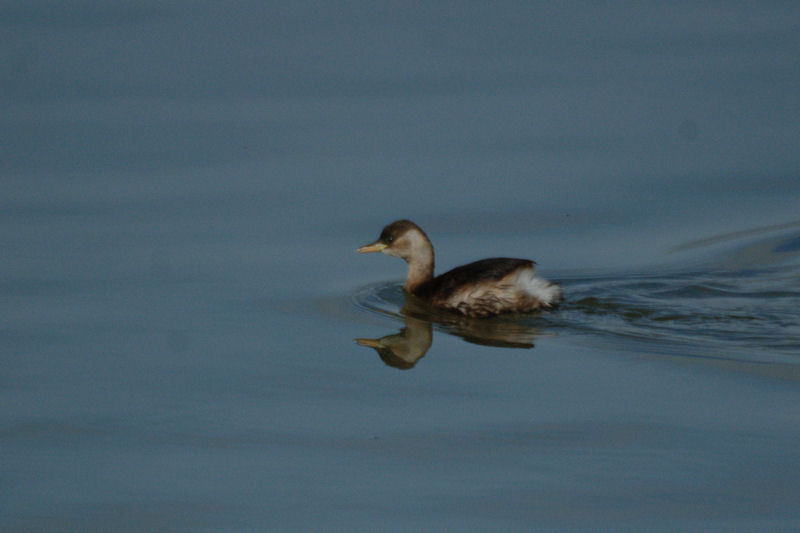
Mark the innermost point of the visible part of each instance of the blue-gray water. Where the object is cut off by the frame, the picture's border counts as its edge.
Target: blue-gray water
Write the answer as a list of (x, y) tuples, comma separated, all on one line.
[(184, 186)]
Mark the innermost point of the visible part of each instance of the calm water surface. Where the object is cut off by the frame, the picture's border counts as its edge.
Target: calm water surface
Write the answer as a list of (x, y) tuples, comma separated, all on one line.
[(190, 342)]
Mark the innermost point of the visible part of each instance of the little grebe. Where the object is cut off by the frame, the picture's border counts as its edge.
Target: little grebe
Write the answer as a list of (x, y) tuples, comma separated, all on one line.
[(480, 289)]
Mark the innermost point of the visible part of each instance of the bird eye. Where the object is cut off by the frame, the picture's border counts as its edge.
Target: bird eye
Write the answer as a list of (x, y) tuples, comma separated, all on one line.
[(390, 238)]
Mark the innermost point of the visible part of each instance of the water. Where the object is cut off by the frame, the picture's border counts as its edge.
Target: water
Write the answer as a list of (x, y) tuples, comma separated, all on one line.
[(190, 342)]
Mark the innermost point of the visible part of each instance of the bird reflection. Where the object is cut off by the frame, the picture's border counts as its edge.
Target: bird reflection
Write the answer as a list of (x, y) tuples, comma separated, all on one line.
[(403, 349)]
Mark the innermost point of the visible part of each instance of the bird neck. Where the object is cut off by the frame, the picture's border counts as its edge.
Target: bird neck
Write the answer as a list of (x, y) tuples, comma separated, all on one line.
[(420, 270)]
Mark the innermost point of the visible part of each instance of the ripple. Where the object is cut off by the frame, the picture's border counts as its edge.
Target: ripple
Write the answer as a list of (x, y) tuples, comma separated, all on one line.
[(708, 311)]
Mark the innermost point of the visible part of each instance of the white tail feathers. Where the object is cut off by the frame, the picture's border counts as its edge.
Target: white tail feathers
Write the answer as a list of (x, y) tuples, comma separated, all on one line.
[(547, 293)]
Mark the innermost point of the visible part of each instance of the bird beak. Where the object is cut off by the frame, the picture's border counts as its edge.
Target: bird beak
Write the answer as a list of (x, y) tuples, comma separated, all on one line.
[(372, 343), (376, 246)]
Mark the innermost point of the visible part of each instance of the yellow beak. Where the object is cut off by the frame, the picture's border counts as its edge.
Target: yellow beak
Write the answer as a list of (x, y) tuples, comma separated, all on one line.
[(374, 247), (372, 343)]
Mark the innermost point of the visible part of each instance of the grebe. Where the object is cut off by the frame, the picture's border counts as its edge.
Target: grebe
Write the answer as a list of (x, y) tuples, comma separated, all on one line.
[(480, 289)]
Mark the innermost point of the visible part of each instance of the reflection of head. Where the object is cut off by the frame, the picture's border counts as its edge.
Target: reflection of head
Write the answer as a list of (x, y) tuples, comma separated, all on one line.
[(403, 349)]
